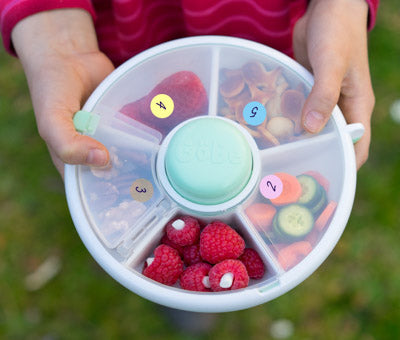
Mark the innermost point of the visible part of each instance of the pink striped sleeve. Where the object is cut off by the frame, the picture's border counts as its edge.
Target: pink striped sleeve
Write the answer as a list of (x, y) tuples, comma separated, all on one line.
[(13, 11), (373, 9)]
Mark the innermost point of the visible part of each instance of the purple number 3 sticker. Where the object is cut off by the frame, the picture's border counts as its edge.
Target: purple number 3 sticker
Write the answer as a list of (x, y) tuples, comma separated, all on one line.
[(271, 186)]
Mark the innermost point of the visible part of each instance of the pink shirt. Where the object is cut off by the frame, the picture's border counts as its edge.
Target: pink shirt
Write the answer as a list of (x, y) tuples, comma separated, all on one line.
[(126, 27)]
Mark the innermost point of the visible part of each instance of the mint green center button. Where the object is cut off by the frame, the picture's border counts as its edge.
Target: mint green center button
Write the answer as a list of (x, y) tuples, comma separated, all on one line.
[(208, 161)]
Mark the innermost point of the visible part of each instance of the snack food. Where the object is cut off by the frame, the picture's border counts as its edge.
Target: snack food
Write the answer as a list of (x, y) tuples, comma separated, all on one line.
[(219, 242), (195, 277), (293, 222), (326, 214), (121, 235), (183, 231), (261, 215), (220, 251), (165, 240), (187, 93), (254, 264), (253, 82), (292, 254), (291, 189), (165, 267), (191, 254), (228, 275), (299, 213)]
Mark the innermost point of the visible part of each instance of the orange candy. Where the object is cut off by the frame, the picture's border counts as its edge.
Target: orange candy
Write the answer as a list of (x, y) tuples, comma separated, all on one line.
[(261, 215), (291, 190), (293, 254)]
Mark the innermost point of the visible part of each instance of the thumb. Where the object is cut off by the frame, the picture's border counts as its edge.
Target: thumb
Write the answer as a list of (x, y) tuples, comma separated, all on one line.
[(324, 95), (68, 145)]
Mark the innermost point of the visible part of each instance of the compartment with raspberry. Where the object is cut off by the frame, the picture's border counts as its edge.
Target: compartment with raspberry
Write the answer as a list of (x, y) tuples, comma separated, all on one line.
[(204, 257)]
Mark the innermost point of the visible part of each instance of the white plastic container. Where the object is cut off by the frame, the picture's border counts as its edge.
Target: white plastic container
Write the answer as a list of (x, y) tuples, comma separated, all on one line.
[(120, 212)]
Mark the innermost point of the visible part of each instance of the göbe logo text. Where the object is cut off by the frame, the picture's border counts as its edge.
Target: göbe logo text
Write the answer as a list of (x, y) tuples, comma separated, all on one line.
[(207, 151)]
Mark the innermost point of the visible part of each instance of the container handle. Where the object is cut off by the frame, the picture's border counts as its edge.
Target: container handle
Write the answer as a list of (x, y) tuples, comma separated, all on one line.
[(86, 122), (356, 131)]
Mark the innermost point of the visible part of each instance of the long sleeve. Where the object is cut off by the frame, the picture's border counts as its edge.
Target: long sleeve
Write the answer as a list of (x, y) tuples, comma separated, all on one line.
[(373, 9), (13, 11), (126, 27)]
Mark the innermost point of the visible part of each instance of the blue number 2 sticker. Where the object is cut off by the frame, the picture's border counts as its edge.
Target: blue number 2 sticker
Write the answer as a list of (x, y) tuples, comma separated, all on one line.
[(254, 113)]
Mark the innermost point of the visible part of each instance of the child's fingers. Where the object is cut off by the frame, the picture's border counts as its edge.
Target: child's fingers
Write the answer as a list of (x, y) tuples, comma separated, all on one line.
[(358, 108), (328, 78), (68, 145), (58, 163), (361, 148)]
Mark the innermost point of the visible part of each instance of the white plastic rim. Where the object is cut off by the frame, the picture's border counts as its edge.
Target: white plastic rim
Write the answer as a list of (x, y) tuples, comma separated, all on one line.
[(209, 209), (229, 300)]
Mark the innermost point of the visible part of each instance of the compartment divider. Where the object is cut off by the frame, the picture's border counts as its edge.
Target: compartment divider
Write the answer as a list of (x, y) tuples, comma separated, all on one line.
[(146, 230), (129, 139), (266, 252), (213, 97), (114, 122), (297, 145)]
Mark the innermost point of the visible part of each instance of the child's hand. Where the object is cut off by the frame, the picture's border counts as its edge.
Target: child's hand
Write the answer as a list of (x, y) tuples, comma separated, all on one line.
[(331, 41), (58, 50)]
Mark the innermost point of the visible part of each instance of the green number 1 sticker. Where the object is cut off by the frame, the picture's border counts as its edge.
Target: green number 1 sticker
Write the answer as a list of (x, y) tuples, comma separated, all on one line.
[(162, 106)]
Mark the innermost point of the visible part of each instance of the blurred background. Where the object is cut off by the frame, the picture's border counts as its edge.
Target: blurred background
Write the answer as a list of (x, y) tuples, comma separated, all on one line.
[(51, 287)]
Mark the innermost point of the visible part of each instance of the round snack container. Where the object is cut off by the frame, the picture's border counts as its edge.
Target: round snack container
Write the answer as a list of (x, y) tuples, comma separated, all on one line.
[(211, 127)]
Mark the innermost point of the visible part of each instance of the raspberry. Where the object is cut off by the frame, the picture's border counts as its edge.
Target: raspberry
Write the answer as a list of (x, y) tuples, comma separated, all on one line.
[(191, 254), (168, 242), (195, 277), (202, 224), (228, 275), (219, 242), (166, 267), (184, 231), (253, 263)]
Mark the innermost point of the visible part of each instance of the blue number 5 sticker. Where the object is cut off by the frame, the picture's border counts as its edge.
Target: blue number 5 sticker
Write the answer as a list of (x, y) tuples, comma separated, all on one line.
[(254, 113)]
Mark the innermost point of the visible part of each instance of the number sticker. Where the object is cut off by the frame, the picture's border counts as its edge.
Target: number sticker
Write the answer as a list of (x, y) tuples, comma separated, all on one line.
[(141, 190), (254, 113), (271, 186), (162, 106)]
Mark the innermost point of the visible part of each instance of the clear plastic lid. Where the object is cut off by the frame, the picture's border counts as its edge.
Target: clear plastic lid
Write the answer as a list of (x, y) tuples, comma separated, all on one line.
[(211, 127)]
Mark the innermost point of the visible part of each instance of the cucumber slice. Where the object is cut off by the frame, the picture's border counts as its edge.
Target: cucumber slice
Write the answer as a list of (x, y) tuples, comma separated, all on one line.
[(311, 190), (320, 205), (294, 221), (278, 236)]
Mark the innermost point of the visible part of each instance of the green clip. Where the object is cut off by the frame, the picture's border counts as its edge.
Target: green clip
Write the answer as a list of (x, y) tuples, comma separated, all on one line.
[(356, 131), (86, 122), (269, 286)]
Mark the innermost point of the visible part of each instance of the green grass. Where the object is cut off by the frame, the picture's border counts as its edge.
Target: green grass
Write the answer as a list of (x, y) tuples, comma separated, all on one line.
[(353, 295)]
